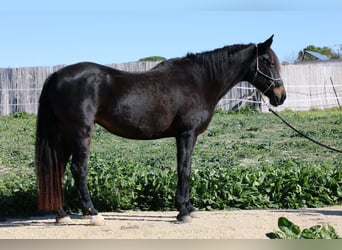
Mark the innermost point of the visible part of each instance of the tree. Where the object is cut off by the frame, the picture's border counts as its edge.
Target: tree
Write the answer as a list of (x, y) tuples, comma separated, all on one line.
[(302, 56), (152, 58)]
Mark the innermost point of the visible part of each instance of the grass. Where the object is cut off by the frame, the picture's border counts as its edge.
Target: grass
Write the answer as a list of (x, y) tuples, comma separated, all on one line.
[(245, 159), (242, 138)]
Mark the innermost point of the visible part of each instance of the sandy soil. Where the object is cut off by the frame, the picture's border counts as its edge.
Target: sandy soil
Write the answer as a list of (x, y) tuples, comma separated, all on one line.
[(237, 224)]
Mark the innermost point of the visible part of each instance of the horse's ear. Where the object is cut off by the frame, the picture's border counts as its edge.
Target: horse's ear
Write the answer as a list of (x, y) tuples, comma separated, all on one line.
[(263, 47)]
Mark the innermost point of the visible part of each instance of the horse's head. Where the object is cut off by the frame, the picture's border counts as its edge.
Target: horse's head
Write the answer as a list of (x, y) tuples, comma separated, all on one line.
[(264, 73)]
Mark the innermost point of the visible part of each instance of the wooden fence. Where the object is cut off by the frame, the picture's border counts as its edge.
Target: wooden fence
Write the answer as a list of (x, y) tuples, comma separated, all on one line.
[(312, 86), (308, 86), (20, 87)]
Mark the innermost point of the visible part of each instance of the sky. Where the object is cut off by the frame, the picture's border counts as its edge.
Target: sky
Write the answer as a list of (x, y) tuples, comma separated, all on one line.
[(47, 33)]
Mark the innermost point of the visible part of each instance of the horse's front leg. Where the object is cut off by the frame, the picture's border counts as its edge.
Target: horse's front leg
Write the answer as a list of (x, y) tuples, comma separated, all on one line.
[(79, 171), (185, 144)]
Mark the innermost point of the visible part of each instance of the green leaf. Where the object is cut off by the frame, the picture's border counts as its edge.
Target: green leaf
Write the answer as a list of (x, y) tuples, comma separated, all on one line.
[(274, 235), (290, 229), (328, 232), (311, 233)]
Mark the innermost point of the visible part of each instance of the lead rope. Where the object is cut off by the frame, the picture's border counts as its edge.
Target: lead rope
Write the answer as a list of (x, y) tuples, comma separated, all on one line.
[(299, 132)]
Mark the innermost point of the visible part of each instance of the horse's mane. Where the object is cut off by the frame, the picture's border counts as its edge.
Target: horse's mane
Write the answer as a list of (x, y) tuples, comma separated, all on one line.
[(213, 60), (225, 51)]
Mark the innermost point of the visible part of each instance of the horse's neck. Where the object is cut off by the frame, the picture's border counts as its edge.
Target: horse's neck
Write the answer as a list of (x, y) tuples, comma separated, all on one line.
[(235, 72)]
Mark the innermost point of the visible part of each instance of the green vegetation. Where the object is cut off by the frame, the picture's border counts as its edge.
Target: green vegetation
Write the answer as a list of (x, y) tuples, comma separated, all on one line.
[(152, 59), (244, 160), (289, 230), (330, 53)]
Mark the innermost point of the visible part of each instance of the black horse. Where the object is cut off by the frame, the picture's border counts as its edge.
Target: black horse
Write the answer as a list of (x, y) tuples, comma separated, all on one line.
[(177, 98)]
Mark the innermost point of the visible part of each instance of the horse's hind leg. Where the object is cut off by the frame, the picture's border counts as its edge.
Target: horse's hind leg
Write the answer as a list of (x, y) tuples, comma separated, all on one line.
[(79, 169), (62, 216)]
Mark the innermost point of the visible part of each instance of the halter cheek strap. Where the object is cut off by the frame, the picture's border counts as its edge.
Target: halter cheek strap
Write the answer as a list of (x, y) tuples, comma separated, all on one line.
[(258, 71)]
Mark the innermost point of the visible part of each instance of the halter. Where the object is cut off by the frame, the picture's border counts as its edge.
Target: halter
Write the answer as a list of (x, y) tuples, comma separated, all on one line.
[(258, 71)]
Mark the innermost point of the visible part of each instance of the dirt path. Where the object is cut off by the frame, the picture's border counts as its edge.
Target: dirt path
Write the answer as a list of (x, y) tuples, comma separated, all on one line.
[(238, 224)]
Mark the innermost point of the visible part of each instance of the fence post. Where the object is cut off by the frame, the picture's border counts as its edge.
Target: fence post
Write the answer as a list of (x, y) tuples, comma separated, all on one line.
[(332, 83)]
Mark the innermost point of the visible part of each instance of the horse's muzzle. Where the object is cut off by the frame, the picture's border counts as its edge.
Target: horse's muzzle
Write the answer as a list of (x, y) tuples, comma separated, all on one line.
[(279, 96)]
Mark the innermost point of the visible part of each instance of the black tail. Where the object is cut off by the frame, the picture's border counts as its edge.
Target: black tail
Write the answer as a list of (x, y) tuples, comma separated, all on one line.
[(50, 163)]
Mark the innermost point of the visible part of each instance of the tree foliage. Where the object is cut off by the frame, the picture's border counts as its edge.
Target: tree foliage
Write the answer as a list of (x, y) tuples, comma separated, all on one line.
[(152, 59), (302, 56)]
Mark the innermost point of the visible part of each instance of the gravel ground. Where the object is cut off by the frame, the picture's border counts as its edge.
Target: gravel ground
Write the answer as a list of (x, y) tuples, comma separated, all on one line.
[(235, 224)]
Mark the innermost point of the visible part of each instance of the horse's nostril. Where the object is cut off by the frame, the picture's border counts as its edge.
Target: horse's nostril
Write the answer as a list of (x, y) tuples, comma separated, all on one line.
[(283, 98), (280, 94)]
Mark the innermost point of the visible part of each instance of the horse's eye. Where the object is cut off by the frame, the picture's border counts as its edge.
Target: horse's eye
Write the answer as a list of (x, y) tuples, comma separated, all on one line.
[(269, 62)]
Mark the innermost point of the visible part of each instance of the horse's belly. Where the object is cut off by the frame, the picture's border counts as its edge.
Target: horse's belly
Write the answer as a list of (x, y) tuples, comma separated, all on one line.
[(138, 125)]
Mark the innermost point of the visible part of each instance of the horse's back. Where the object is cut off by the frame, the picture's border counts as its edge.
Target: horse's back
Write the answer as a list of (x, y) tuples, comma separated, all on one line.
[(76, 89)]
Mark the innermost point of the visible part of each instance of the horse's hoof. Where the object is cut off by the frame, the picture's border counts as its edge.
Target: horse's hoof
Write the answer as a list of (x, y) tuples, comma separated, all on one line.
[(194, 214), (64, 220), (97, 220), (185, 219)]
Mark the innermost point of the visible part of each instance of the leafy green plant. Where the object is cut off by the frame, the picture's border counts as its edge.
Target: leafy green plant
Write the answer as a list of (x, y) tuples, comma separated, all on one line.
[(289, 230), (17, 194)]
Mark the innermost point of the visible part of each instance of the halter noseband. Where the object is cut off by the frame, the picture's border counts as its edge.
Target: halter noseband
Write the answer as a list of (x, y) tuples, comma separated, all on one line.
[(258, 71)]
